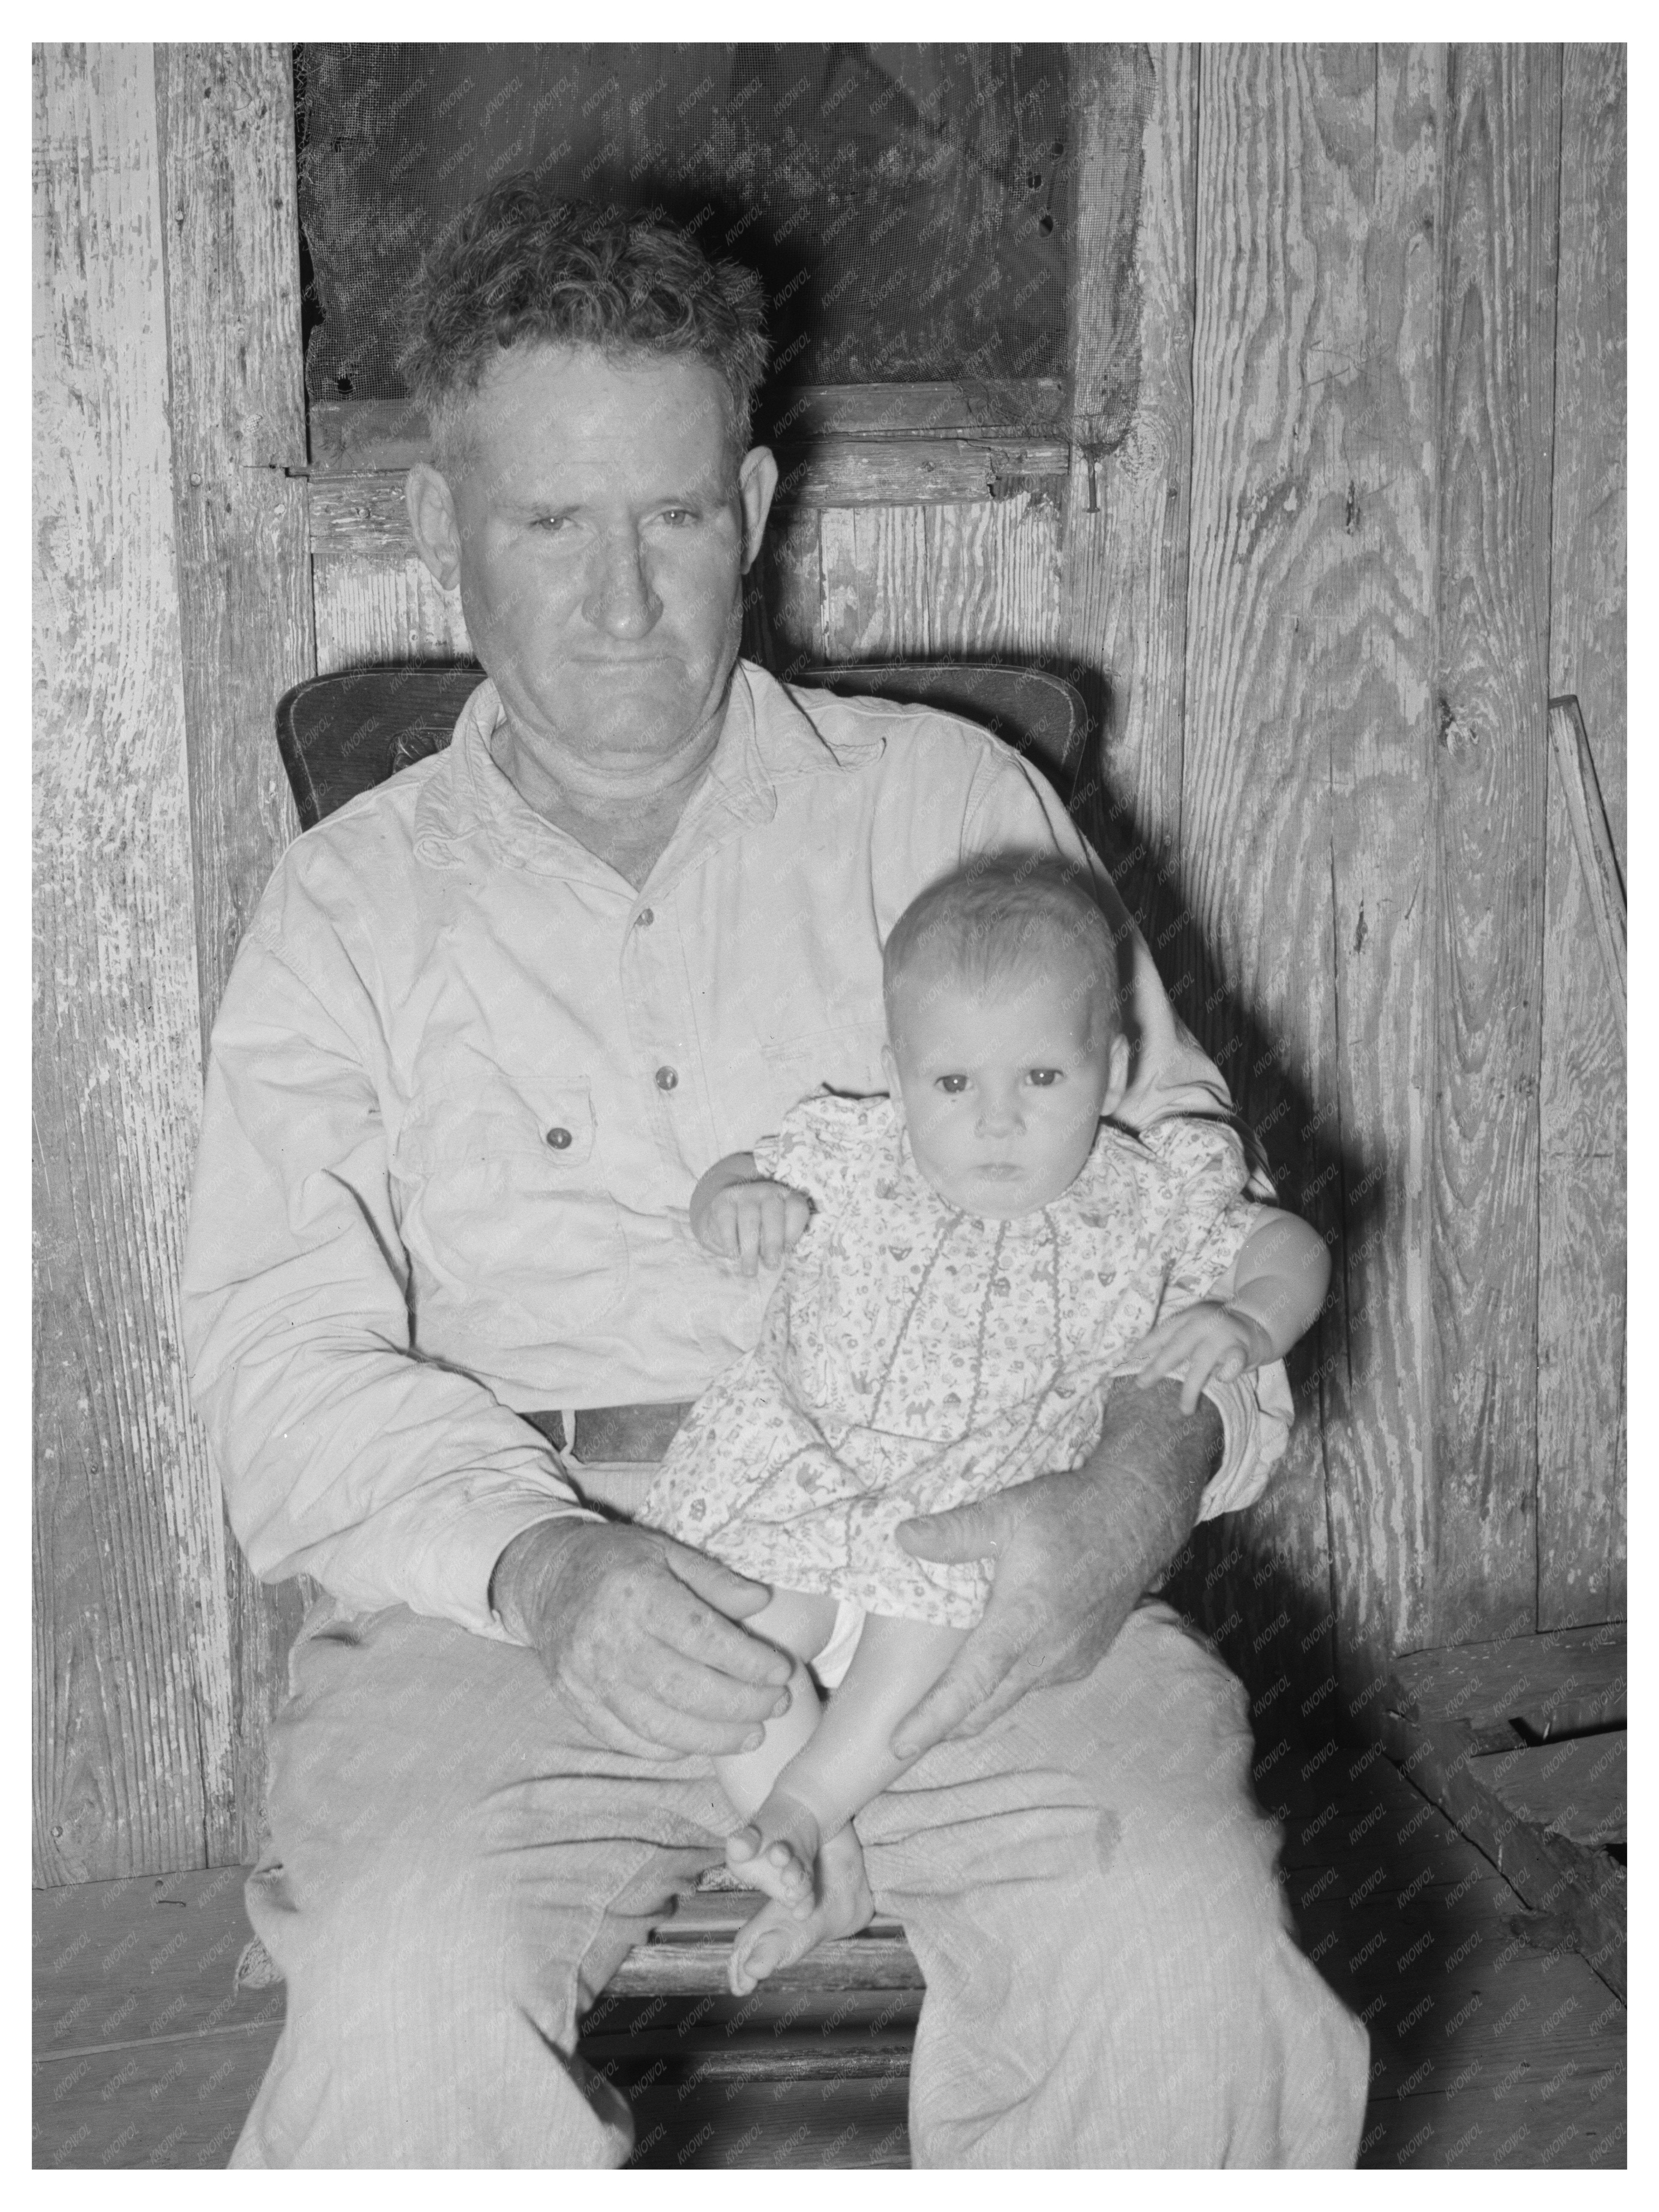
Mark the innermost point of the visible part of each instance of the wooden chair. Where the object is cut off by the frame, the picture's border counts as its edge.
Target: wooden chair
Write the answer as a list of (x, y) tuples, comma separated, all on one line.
[(820, 2056)]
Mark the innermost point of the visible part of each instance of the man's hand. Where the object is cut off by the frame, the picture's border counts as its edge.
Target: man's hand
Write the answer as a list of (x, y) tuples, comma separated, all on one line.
[(1073, 1553), (747, 1218), (638, 1635)]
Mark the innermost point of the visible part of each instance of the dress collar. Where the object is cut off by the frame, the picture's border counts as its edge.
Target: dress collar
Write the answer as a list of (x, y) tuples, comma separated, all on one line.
[(906, 1184)]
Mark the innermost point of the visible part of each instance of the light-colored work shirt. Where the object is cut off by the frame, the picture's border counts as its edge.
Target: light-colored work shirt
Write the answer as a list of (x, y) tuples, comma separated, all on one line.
[(465, 1076)]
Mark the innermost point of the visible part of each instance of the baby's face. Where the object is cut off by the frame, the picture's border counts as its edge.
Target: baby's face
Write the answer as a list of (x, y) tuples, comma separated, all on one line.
[(1003, 1094)]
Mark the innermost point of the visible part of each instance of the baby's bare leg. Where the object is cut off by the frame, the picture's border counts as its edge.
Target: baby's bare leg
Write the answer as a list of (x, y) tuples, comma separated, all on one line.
[(777, 1856), (811, 1894), (846, 1760), (843, 1763)]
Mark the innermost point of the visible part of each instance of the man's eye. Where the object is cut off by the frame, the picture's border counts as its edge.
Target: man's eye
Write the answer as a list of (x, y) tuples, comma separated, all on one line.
[(551, 525), (952, 1086), (1044, 1078)]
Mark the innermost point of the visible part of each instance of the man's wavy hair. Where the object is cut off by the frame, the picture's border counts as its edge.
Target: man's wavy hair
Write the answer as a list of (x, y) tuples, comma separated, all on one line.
[(520, 266)]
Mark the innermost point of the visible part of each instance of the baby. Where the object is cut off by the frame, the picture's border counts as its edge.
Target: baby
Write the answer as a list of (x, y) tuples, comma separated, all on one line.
[(970, 1262)]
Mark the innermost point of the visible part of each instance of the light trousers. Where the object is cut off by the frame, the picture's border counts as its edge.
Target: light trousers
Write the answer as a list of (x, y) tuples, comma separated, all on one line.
[(456, 1870)]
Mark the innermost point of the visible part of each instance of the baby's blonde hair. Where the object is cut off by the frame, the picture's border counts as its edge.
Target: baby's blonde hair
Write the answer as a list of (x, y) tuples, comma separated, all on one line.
[(1001, 917)]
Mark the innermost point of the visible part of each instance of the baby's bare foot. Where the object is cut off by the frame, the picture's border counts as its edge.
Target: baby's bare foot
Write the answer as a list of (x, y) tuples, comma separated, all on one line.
[(776, 1851), (778, 1934)]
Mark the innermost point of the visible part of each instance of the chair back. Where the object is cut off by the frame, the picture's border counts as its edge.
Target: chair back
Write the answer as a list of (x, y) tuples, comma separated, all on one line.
[(341, 735)]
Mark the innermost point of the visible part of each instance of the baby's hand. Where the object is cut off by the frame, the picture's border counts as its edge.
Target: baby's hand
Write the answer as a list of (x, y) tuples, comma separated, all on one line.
[(1206, 1340), (754, 1222)]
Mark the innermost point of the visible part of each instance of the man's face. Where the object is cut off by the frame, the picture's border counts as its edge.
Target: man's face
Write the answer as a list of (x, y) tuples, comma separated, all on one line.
[(1002, 1093), (599, 528)]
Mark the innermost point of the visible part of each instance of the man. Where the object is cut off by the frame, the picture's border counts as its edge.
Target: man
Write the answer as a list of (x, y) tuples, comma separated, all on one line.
[(489, 1025)]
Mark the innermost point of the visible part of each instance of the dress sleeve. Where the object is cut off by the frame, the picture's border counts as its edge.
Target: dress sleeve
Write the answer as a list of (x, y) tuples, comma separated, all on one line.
[(1212, 1215), (823, 1145)]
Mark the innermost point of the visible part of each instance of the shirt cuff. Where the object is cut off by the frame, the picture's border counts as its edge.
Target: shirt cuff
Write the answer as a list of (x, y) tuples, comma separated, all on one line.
[(1256, 1412), (464, 1557)]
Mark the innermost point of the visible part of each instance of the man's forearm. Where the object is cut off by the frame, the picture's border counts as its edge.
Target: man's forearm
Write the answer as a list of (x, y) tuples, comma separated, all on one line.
[(1147, 1477)]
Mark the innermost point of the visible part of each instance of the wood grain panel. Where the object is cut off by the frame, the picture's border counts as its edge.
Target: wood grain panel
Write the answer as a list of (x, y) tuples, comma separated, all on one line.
[(1375, 647), (993, 579), (1581, 1124), (370, 612), (1589, 598), (875, 583), (1581, 1257), (226, 127), (887, 472), (1122, 611), (977, 581), (1293, 659), (789, 578), (134, 1763), (1498, 340), (374, 601)]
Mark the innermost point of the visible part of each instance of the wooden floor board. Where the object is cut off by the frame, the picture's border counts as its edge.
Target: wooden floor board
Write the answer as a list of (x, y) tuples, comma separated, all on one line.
[(120, 1962), (168, 2104)]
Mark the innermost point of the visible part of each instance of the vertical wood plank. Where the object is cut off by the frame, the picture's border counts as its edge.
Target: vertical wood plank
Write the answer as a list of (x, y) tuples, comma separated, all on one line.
[(1582, 1122), (372, 611), (1375, 647), (1588, 597), (789, 577), (875, 583), (1497, 343), (992, 578), (230, 238), (231, 250), (134, 1768), (1285, 672), (1122, 612)]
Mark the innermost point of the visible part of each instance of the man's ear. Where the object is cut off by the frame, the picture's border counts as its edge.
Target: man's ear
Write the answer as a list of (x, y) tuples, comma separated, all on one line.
[(1117, 1081), (431, 506), (757, 479)]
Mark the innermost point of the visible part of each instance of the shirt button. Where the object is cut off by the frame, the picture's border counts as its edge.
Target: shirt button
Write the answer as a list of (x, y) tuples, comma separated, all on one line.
[(666, 1078), (644, 918), (559, 1138)]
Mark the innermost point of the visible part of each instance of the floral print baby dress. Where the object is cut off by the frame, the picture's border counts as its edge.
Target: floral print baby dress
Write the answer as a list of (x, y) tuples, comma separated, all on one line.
[(914, 1357)]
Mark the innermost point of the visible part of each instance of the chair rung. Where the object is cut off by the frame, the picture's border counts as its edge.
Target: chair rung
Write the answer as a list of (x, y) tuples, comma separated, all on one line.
[(855, 1962)]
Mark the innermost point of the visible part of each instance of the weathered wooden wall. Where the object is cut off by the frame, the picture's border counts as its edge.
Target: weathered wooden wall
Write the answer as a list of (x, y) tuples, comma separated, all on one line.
[(1581, 1222), (1337, 507), (171, 606)]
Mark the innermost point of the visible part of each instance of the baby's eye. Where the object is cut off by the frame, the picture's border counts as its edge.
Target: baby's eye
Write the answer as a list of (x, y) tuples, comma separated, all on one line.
[(952, 1086), (1044, 1078)]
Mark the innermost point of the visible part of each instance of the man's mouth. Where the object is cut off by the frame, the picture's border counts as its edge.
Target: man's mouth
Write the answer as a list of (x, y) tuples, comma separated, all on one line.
[(1001, 1171)]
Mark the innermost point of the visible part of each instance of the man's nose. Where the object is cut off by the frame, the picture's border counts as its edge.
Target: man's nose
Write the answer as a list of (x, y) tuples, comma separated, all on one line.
[(620, 599)]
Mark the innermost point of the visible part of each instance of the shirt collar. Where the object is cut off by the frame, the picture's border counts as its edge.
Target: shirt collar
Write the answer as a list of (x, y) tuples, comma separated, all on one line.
[(469, 810)]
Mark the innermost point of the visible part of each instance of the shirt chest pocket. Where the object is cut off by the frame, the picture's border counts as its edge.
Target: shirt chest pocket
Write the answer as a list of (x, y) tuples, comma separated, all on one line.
[(504, 1198)]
